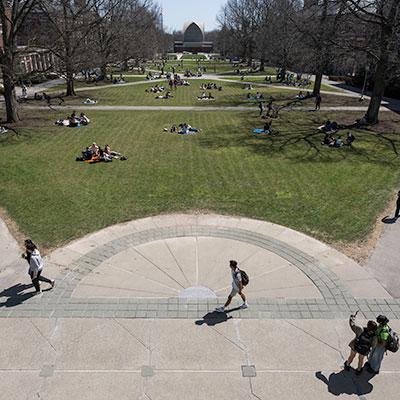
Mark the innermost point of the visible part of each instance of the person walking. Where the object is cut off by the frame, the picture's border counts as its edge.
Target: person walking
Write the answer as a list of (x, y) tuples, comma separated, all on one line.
[(363, 342), (237, 286), (261, 107), (35, 261), (318, 100), (396, 214), (377, 353)]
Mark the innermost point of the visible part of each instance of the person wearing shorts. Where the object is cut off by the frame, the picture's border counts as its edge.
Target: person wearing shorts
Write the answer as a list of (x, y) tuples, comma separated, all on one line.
[(237, 287)]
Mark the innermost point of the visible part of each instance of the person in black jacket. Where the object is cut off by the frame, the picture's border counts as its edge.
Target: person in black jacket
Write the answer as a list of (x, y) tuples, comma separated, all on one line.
[(363, 342), (396, 214)]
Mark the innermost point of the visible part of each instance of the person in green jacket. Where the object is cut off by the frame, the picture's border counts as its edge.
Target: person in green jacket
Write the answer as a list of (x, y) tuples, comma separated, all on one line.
[(377, 353)]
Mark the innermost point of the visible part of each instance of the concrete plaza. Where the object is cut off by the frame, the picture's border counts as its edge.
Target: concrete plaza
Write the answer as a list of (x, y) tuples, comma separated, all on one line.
[(132, 316)]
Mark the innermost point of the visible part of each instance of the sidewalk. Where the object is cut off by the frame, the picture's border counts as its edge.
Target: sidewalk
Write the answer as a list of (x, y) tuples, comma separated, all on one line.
[(131, 316)]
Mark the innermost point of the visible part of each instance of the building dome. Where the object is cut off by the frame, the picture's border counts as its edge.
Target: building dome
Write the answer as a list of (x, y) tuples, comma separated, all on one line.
[(193, 32)]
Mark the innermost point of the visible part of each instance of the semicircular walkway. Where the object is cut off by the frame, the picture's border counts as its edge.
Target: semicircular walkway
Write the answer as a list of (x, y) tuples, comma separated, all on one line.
[(177, 266)]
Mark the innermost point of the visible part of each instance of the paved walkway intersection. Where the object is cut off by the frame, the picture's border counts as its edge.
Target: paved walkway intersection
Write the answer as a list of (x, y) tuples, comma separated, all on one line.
[(132, 316)]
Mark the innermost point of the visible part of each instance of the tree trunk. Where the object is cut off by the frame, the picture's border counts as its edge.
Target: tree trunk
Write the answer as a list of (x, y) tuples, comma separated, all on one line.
[(9, 97), (103, 70), (70, 83), (317, 83), (378, 91), (262, 65)]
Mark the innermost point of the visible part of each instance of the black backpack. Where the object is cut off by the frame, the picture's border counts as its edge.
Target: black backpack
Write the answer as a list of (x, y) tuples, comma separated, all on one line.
[(392, 343), (245, 277), (363, 343)]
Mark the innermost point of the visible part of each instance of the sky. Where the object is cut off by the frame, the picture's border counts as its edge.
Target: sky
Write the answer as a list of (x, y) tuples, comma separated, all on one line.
[(177, 12)]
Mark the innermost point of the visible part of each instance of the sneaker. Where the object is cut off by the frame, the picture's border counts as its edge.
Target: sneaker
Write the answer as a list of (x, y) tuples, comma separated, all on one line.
[(39, 292), (220, 309), (244, 306), (346, 366), (53, 282)]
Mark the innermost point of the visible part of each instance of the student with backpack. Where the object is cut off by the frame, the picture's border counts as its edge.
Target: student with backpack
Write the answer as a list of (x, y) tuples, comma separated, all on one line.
[(35, 261), (387, 339), (239, 281), (363, 342)]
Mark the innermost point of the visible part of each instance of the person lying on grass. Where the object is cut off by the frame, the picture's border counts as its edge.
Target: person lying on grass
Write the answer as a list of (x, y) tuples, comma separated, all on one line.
[(182, 129), (94, 154), (74, 121), (89, 101), (257, 96), (204, 96), (329, 126), (331, 141), (155, 89), (168, 95)]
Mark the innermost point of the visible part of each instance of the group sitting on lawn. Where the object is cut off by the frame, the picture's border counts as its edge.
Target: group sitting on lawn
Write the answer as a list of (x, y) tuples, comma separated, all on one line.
[(89, 101), (257, 96), (329, 126), (205, 96), (331, 141), (74, 121), (303, 96), (155, 89), (94, 153), (210, 86), (182, 129), (267, 129), (167, 95)]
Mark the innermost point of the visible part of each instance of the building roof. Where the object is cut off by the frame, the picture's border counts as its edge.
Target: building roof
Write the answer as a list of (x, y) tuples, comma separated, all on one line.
[(193, 32)]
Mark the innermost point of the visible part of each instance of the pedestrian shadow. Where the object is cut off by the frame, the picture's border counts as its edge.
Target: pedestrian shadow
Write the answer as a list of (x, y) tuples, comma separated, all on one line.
[(215, 317), (388, 220), (347, 382), (15, 295)]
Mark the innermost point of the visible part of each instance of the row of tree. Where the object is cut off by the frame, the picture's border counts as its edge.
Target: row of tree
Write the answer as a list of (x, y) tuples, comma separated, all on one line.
[(317, 36), (81, 34)]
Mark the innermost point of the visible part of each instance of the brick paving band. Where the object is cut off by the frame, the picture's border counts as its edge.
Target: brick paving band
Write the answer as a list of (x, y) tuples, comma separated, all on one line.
[(336, 301)]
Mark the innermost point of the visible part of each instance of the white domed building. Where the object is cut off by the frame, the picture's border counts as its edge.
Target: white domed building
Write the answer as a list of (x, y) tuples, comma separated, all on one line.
[(193, 40)]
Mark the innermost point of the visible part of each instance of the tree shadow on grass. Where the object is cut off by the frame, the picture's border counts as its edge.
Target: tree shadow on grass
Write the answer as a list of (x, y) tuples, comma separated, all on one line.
[(299, 142)]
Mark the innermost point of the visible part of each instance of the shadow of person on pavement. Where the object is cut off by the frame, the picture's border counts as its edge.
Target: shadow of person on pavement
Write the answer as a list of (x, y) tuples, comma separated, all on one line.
[(14, 295), (347, 382), (216, 317), (388, 220)]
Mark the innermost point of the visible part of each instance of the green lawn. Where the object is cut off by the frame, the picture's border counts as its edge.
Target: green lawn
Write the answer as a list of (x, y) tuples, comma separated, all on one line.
[(290, 179), (232, 94)]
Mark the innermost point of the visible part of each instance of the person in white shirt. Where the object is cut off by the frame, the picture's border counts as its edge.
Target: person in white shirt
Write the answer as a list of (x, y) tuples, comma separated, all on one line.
[(35, 262), (237, 287)]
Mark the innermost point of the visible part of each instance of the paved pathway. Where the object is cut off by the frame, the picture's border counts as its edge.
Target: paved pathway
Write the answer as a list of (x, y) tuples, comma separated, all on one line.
[(384, 262), (131, 316), (191, 108)]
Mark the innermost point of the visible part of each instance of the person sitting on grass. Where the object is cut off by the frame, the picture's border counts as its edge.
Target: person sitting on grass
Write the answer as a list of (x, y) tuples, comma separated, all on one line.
[(110, 153), (89, 101), (350, 139), (94, 149), (267, 127), (84, 120), (328, 140), (74, 121), (338, 142)]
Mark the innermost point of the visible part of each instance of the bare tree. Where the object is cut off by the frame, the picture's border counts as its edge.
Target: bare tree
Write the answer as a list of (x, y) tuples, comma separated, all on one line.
[(12, 16), (382, 18)]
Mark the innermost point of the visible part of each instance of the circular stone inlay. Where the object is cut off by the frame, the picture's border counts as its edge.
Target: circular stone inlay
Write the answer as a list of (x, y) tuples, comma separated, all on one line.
[(197, 292)]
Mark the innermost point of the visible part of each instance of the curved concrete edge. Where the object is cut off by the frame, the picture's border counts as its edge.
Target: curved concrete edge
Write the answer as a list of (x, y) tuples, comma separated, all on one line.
[(10, 251), (355, 278)]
